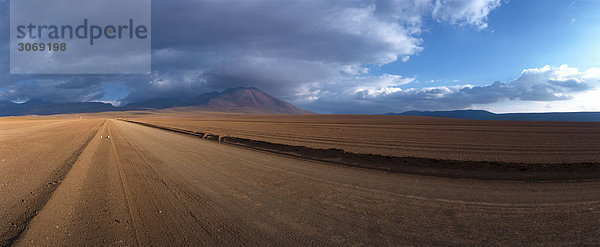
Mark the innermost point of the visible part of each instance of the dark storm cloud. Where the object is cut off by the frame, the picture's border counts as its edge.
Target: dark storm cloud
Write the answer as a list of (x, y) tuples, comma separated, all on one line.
[(277, 46), (56, 88), (313, 31), (78, 83), (51, 90), (4, 40), (313, 53)]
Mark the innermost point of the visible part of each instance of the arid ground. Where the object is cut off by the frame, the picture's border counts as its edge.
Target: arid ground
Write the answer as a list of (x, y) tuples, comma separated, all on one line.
[(64, 182), (441, 138)]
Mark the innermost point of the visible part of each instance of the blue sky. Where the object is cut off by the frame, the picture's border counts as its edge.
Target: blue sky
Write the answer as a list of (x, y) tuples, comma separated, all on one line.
[(363, 56), (520, 34)]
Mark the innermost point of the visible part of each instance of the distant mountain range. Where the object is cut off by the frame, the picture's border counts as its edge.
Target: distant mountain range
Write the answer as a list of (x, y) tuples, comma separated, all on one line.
[(242, 99), (486, 115), (253, 100)]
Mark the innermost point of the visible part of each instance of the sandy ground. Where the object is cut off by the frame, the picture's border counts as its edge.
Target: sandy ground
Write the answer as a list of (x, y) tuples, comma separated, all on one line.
[(34, 156), (146, 186), (426, 137)]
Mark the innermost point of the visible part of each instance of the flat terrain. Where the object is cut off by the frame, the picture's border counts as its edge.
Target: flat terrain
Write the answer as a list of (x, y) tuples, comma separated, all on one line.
[(61, 184), (426, 137)]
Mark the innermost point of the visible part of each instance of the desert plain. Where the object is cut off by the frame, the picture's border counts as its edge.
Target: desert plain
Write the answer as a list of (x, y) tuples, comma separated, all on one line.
[(107, 179)]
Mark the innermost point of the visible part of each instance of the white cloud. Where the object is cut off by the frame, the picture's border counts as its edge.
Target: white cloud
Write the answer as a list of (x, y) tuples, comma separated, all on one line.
[(591, 74), (558, 80), (112, 102), (583, 101), (549, 88), (372, 87), (465, 12)]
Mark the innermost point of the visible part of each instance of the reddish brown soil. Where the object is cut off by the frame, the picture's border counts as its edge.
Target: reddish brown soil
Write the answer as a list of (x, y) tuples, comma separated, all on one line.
[(63, 185), (438, 138)]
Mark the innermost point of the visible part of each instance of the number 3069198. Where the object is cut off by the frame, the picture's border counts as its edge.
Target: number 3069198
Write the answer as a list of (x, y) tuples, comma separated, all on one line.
[(42, 47)]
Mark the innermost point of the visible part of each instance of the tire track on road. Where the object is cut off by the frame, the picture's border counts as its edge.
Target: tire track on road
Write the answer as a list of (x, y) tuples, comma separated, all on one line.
[(42, 194), (125, 187), (150, 198)]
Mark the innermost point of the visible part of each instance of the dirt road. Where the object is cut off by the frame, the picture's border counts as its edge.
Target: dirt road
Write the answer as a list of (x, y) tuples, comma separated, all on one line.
[(144, 186), (35, 155)]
